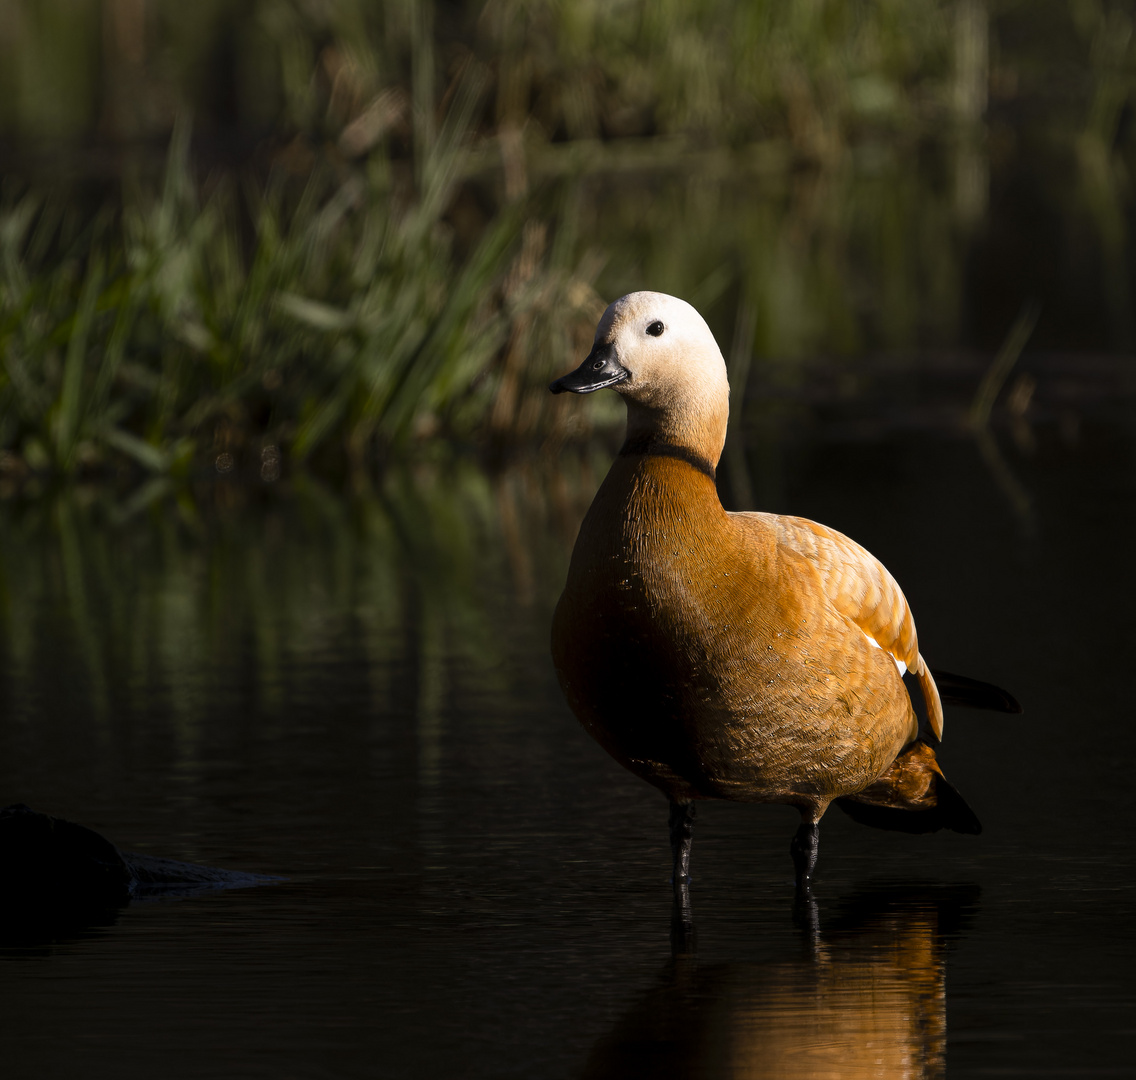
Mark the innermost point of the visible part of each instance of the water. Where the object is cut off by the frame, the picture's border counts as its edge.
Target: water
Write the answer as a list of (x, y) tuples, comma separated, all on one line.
[(353, 690)]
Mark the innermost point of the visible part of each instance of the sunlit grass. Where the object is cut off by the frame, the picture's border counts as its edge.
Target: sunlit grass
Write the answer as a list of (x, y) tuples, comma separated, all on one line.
[(346, 325), (447, 197)]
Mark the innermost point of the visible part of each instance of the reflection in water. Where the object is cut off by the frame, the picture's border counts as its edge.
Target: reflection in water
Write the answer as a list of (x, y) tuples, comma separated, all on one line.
[(355, 692), (866, 998)]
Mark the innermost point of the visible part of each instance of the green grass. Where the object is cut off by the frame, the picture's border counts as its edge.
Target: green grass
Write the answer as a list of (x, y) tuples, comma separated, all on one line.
[(446, 197), (346, 326)]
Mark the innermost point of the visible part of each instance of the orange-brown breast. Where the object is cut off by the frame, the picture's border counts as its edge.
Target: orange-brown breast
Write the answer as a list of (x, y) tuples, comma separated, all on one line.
[(705, 655)]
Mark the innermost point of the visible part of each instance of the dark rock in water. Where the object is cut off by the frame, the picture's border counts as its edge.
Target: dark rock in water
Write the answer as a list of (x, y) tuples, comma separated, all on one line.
[(51, 865), (57, 864)]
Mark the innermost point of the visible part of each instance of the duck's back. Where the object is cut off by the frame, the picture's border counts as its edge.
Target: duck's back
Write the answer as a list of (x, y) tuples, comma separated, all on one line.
[(704, 650)]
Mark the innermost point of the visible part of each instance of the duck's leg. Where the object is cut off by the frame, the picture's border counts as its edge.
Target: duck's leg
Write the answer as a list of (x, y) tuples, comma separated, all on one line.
[(682, 923), (682, 918), (682, 833), (806, 915), (804, 852)]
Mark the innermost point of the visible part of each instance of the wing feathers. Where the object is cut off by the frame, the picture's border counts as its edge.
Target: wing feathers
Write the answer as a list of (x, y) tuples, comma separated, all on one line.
[(856, 583), (931, 697), (859, 586)]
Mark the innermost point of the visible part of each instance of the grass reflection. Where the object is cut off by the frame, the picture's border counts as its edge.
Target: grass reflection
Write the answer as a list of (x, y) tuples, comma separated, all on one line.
[(248, 602)]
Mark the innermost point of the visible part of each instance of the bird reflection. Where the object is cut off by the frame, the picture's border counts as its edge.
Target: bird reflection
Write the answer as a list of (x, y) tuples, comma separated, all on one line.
[(864, 996)]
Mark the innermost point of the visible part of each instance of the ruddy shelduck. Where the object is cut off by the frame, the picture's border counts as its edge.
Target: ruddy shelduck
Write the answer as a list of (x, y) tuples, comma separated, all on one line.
[(743, 656)]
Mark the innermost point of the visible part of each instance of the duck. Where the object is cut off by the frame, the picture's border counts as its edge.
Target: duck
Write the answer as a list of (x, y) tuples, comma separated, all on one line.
[(743, 656)]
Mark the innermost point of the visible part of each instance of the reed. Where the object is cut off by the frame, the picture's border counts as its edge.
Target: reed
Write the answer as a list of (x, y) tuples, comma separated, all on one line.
[(441, 197), (159, 337)]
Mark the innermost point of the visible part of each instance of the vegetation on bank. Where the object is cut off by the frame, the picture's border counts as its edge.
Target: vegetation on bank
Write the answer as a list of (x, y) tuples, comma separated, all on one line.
[(164, 339), (440, 197)]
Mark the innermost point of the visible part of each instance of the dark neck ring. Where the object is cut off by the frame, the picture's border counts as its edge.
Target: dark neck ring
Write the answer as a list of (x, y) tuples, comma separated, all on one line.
[(652, 446)]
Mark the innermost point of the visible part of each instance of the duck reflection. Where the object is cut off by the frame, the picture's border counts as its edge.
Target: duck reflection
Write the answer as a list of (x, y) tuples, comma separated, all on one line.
[(864, 996)]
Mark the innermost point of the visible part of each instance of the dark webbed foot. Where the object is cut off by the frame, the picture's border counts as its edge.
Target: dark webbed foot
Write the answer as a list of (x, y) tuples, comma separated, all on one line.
[(804, 852), (682, 833)]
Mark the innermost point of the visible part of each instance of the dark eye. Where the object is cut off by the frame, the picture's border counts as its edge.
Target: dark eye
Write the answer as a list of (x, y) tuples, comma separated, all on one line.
[(655, 329)]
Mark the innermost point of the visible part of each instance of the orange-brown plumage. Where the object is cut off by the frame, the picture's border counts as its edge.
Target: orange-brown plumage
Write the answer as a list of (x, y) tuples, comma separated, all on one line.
[(747, 656), (702, 650)]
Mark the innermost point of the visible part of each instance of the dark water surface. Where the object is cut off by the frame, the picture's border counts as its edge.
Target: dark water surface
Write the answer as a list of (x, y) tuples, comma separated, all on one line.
[(354, 691)]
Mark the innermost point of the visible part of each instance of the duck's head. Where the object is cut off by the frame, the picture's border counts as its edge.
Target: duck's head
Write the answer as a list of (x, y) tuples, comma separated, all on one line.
[(657, 352)]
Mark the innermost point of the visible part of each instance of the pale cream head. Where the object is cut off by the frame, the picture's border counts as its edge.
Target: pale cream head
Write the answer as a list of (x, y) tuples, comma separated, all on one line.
[(677, 389)]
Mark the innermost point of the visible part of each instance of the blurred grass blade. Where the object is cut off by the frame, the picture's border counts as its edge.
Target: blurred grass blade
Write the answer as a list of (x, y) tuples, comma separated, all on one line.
[(70, 398), (1002, 365), (315, 314), (147, 455)]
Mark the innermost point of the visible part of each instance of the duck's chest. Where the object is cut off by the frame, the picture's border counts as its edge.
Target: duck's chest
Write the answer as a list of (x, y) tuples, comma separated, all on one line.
[(660, 593)]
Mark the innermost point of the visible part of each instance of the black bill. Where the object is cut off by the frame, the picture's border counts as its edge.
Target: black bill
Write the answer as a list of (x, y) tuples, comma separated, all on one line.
[(600, 369)]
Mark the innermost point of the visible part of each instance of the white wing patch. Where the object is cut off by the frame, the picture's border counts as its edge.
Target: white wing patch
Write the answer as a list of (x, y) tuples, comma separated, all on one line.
[(898, 663)]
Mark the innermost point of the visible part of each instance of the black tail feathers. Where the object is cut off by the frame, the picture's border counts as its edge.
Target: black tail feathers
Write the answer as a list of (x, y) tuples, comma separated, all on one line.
[(949, 812), (974, 694)]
